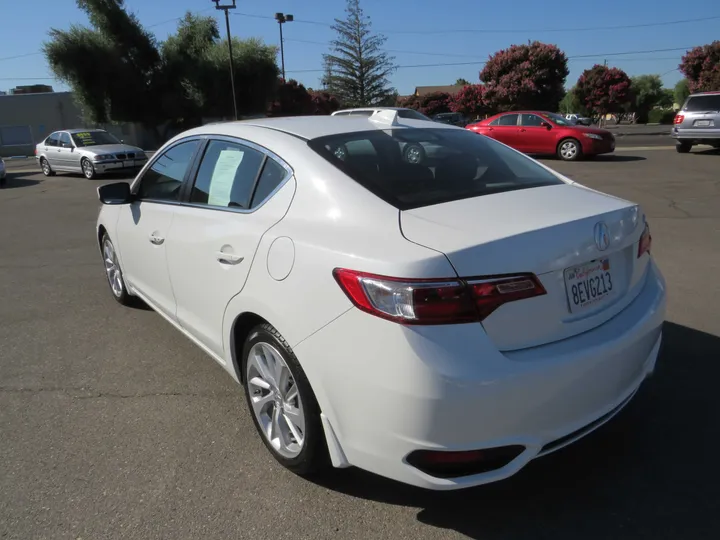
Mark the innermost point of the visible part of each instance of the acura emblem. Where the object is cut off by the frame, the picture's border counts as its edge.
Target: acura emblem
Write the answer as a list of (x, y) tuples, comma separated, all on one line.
[(602, 236)]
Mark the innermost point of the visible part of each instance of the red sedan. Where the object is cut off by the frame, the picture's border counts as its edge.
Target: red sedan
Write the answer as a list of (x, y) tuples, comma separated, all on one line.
[(536, 132)]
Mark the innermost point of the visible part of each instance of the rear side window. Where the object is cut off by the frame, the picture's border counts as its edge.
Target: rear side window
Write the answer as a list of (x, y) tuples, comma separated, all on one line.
[(53, 140), (410, 168), (703, 103), (508, 120), (227, 175)]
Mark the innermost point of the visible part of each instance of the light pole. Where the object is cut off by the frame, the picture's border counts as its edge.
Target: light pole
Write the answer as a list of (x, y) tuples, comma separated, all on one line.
[(225, 8), (281, 18)]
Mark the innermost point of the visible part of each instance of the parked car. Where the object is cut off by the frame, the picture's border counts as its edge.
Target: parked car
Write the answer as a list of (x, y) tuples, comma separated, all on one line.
[(697, 122), (441, 326), (577, 119), (3, 174), (456, 119), (87, 151), (369, 111), (537, 132)]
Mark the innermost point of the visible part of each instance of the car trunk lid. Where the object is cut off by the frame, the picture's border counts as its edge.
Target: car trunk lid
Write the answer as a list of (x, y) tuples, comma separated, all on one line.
[(553, 232)]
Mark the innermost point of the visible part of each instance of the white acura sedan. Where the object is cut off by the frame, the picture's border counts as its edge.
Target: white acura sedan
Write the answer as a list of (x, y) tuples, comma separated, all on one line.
[(440, 324)]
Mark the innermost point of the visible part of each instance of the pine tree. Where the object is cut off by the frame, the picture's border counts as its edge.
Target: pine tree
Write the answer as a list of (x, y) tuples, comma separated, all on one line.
[(357, 70)]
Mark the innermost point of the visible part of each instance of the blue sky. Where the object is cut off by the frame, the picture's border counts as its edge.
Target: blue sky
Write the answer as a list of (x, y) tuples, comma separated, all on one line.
[(461, 31)]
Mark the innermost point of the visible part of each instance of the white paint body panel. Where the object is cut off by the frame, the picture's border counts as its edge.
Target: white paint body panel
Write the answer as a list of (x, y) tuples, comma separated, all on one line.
[(385, 389)]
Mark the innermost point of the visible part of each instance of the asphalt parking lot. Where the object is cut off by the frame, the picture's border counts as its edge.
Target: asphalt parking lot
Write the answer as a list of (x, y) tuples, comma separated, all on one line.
[(113, 425)]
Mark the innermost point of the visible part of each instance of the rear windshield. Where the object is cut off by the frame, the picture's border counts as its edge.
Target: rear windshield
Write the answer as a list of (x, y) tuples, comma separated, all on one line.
[(410, 168), (703, 103)]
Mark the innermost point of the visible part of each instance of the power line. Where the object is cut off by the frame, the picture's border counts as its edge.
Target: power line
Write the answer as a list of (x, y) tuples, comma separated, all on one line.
[(20, 56), (511, 30), (477, 63), (325, 44)]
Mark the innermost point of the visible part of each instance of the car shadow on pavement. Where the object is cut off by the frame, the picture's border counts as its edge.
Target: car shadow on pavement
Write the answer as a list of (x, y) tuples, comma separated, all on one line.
[(646, 474), (617, 158), (17, 180), (707, 152)]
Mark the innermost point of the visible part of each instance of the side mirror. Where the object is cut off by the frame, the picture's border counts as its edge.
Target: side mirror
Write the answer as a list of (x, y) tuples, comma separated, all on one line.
[(546, 125), (115, 193)]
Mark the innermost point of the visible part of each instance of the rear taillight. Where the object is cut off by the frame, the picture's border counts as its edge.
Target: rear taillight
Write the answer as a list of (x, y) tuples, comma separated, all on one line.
[(679, 118), (434, 301), (645, 241)]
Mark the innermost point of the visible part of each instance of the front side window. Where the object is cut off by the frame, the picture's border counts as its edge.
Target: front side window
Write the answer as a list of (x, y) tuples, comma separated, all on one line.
[(227, 175), (531, 120), (508, 120), (164, 179), (410, 168)]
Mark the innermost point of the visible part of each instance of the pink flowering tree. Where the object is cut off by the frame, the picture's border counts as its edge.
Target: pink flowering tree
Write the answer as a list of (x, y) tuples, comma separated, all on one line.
[(429, 105), (470, 101), (525, 77), (604, 90), (323, 102), (701, 66)]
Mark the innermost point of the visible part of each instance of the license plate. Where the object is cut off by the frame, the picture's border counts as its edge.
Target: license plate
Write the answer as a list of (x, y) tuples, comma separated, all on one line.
[(702, 123), (588, 285), (128, 163)]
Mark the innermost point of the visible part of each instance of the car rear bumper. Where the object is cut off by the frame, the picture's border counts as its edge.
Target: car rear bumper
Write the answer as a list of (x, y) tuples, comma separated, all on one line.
[(387, 391), (698, 134)]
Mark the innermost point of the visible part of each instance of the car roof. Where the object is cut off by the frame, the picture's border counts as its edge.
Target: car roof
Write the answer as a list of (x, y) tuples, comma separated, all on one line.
[(711, 93), (312, 127), (81, 130)]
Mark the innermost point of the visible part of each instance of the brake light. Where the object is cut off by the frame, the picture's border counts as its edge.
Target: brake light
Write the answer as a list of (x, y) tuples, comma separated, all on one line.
[(645, 241), (434, 301), (679, 118)]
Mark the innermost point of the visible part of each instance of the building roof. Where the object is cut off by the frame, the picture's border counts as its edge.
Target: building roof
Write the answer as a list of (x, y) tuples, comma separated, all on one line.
[(449, 89)]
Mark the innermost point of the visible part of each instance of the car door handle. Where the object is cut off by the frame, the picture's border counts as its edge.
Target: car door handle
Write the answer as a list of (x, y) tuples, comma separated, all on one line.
[(228, 258), (521, 130), (157, 240)]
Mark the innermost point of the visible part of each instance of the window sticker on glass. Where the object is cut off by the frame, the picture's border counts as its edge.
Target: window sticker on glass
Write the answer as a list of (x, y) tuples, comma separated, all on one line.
[(223, 177)]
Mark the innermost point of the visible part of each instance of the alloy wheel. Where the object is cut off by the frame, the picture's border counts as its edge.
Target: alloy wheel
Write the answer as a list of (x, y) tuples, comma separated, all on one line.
[(88, 169), (568, 150), (275, 400), (45, 167), (112, 269)]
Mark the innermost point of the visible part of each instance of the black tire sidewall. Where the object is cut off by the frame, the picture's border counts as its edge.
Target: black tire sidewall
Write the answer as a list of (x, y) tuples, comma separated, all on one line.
[(312, 457), (683, 147)]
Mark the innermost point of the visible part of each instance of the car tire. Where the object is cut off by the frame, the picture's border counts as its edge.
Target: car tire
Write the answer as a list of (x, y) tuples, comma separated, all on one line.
[(281, 402), (569, 150), (45, 166), (114, 274), (683, 147), (414, 154), (87, 168)]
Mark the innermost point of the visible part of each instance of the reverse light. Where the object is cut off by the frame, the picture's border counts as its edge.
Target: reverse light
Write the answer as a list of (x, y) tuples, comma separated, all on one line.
[(434, 301), (645, 241), (679, 119)]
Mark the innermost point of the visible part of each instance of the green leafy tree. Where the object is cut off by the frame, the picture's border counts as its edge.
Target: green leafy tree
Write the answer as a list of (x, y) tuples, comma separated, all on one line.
[(571, 104), (119, 72), (667, 98), (357, 69), (648, 92), (463, 82), (681, 91)]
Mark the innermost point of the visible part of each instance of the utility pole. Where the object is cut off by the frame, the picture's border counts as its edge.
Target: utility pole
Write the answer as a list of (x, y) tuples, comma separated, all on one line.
[(281, 18), (225, 8)]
